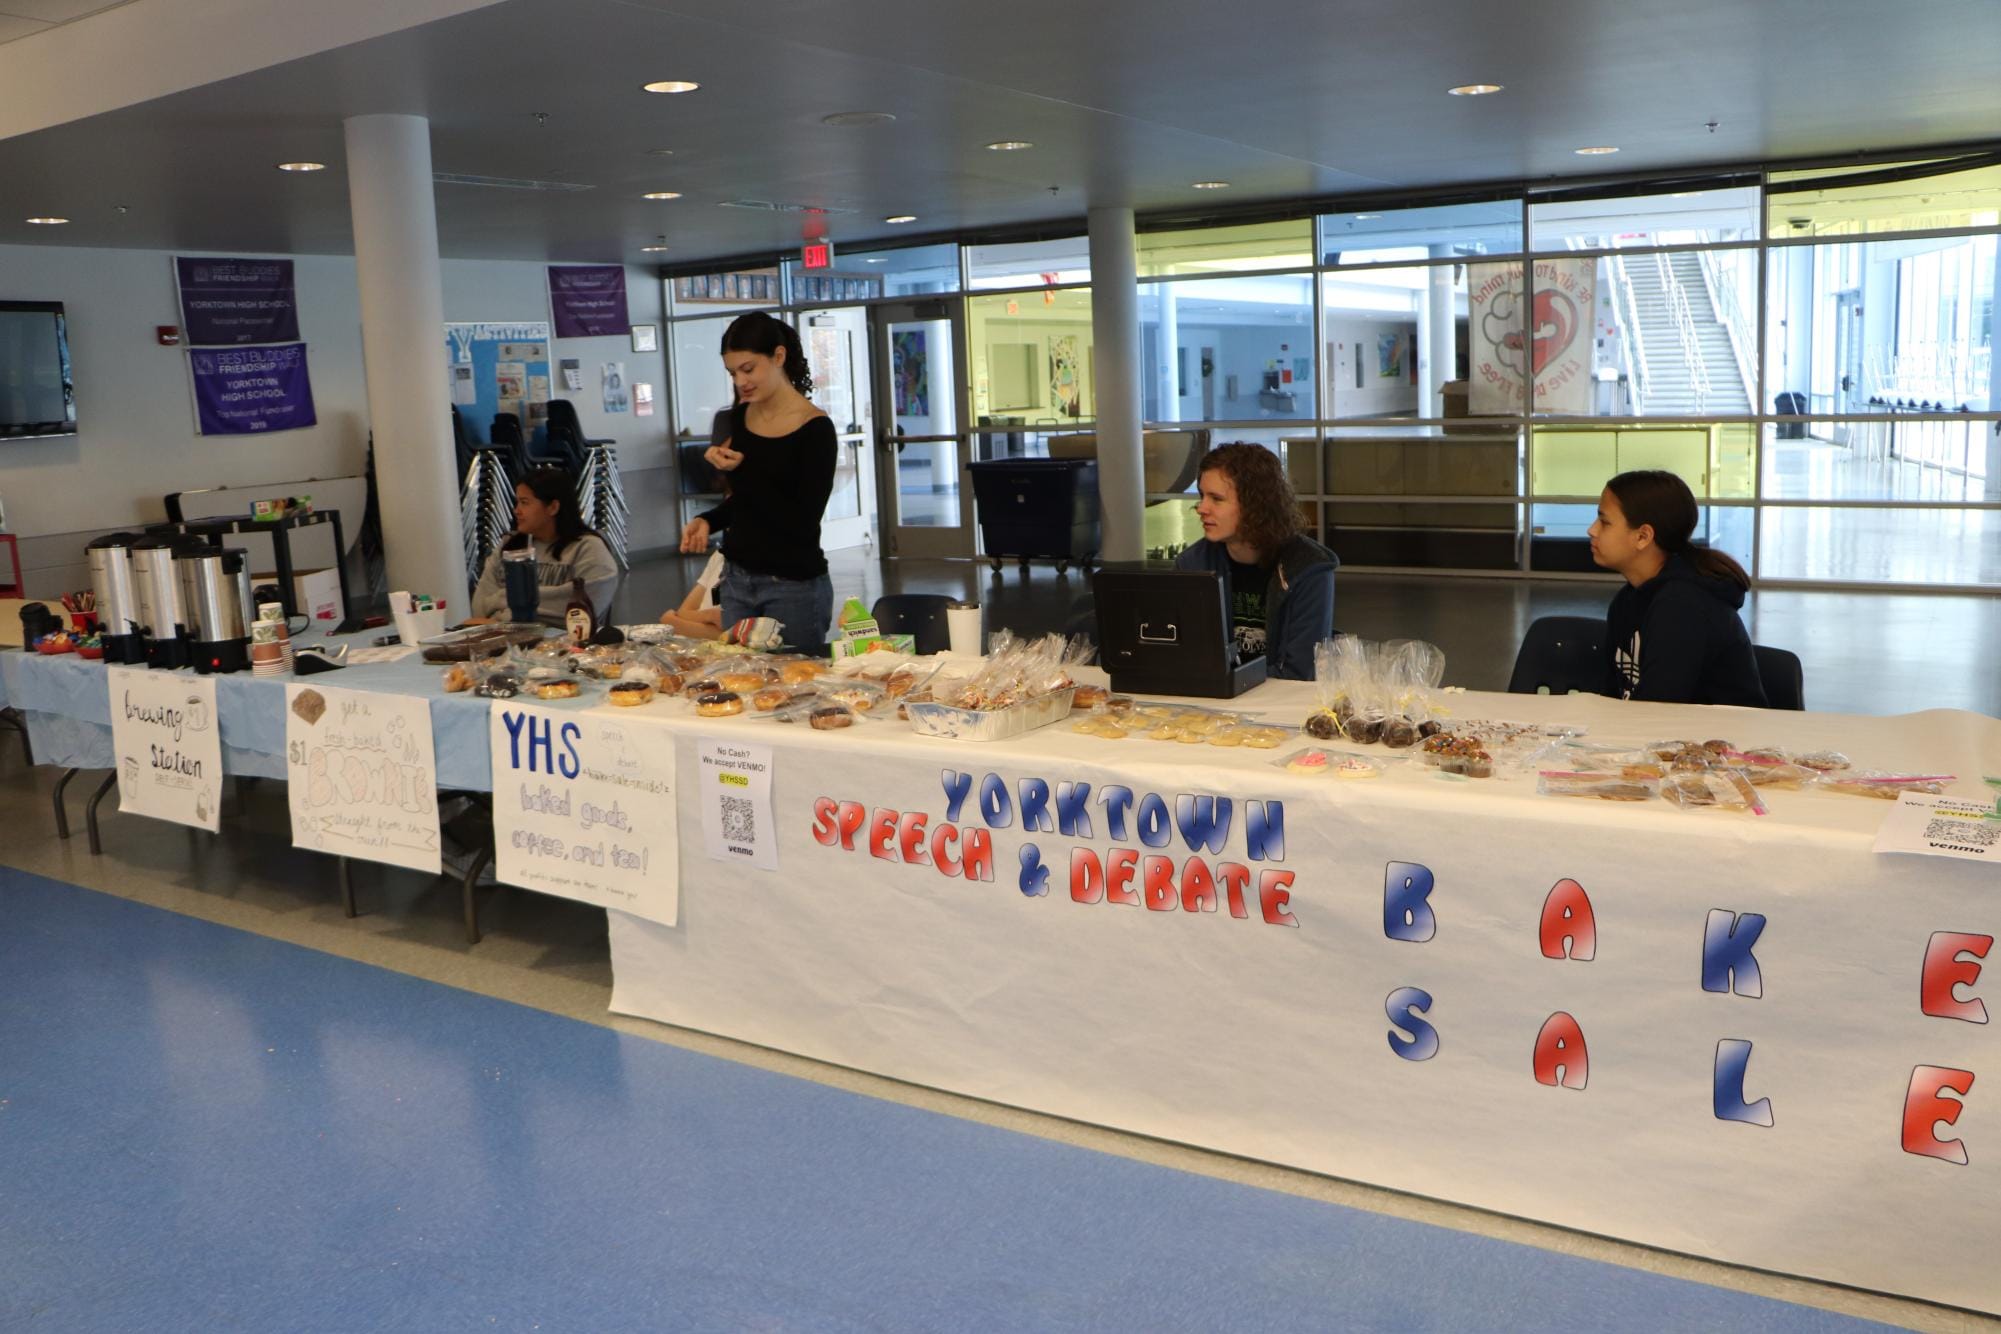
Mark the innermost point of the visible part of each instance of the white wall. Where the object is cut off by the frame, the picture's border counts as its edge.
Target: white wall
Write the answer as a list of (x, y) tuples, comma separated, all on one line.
[(136, 438)]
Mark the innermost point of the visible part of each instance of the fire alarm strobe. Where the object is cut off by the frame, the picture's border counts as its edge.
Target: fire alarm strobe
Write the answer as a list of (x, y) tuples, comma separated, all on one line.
[(169, 335)]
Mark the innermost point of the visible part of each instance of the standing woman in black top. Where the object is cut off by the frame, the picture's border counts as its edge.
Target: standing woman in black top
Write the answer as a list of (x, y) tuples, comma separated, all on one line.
[(780, 458)]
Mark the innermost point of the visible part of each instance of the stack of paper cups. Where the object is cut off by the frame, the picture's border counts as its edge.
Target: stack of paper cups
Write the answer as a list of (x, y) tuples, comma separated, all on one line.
[(270, 647), (962, 624)]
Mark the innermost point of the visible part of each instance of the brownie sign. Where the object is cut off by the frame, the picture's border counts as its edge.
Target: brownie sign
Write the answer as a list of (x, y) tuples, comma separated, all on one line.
[(361, 775)]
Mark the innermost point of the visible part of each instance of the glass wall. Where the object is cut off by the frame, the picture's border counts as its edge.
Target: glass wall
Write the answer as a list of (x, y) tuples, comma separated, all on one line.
[(1451, 384)]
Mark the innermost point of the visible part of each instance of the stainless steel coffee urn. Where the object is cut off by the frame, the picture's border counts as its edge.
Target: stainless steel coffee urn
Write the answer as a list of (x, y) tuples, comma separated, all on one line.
[(162, 610), (212, 583), (117, 589)]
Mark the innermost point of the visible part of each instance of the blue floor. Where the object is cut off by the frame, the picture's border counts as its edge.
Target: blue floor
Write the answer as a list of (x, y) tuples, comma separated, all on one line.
[(206, 1129)]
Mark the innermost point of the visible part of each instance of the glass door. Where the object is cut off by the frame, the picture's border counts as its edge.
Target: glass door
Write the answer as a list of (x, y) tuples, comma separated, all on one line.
[(836, 342), (921, 451)]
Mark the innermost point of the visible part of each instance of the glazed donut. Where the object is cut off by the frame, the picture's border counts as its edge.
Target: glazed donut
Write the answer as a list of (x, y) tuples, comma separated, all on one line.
[(741, 682), (796, 673), (718, 703), (769, 698), (564, 688)]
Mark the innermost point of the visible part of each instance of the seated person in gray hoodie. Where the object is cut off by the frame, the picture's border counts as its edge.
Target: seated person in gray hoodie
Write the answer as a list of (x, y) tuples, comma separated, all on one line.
[(546, 517)]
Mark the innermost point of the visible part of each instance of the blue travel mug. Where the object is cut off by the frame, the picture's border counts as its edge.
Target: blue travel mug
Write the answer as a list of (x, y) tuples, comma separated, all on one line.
[(523, 583)]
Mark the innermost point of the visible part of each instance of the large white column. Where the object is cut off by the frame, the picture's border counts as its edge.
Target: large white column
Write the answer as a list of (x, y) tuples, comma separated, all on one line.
[(1116, 361), (402, 325), (1442, 337), (1166, 375)]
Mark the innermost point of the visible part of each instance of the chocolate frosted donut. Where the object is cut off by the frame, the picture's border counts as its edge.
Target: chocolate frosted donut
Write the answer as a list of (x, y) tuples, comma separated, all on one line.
[(718, 703)]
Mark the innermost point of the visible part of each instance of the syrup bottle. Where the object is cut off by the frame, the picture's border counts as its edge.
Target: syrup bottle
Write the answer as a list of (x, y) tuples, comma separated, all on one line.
[(580, 619)]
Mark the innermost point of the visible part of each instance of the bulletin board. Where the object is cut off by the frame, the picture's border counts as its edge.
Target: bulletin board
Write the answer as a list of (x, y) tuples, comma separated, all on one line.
[(496, 368)]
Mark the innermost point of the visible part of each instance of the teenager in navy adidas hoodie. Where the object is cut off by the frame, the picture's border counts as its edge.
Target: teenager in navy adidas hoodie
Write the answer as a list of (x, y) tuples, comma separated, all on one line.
[(1673, 635)]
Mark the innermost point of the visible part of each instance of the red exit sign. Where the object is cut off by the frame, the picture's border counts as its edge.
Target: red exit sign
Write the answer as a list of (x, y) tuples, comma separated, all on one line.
[(817, 255)]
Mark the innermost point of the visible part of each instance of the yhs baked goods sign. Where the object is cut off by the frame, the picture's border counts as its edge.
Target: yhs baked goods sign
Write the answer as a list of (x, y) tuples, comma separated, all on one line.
[(362, 775), (169, 746), (583, 807)]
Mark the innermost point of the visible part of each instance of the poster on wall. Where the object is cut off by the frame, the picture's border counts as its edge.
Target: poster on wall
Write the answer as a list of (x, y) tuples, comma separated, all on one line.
[(498, 368), (167, 743), (583, 807), (1548, 342), (1389, 356), (361, 775), (225, 302), (911, 364), (1064, 391), (588, 300), (617, 398), (251, 390)]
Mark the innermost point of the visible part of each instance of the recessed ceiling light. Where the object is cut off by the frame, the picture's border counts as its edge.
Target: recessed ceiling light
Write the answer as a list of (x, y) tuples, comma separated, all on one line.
[(1598, 151), (661, 194), (1209, 185), (897, 220), (302, 166), (1009, 145), (855, 120), (652, 249), (48, 222), (1474, 89), (672, 86)]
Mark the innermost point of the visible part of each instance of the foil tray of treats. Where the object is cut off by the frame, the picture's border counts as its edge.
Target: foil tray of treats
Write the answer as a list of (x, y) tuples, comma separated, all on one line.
[(1020, 685), (1372, 693), (474, 642), (1116, 717)]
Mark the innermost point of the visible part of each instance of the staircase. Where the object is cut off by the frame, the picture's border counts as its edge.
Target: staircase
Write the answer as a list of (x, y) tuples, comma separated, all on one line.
[(1691, 372)]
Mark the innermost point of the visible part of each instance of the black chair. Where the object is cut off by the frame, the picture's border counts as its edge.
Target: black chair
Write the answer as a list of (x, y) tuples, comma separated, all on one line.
[(566, 435), (462, 445), (1560, 654), (1785, 681), (920, 615)]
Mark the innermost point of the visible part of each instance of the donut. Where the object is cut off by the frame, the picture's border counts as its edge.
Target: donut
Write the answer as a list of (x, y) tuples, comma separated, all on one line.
[(718, 703), (769, 698), (899, 683), (457, 678), (708, 685), (797, 673), (742, 682), (830, 716), (669, 684), (563, 689), (631, 694)]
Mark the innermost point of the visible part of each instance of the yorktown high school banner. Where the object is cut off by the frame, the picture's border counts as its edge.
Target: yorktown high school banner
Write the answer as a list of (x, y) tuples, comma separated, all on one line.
[(1770, 1050)]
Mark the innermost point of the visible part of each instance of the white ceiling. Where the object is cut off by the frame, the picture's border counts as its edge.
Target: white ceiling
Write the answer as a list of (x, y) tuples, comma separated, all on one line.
[(1127, 101), (23, 18)]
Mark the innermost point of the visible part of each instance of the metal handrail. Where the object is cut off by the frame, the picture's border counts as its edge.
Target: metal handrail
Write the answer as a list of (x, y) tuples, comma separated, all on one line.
[(1723, 300), (1632, 351), (1684, 329)]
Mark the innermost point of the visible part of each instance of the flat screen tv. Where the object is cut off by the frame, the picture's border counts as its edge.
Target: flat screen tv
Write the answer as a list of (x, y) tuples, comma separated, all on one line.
[(37, 396)]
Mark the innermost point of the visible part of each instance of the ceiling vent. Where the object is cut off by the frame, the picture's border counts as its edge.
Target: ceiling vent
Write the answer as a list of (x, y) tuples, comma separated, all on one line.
[(766, 206), (502, 182)]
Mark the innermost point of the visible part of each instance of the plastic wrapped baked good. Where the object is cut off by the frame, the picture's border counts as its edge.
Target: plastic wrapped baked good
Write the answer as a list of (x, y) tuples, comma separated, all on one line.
[(630, 694), (718, 703), (1602, 786), (1876, 783), (1725, 789), (1100, 725)]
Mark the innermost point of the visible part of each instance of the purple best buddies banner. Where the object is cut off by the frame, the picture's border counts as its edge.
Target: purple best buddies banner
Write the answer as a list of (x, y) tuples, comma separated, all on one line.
[(251, 390), (225, 302), (588, 300)]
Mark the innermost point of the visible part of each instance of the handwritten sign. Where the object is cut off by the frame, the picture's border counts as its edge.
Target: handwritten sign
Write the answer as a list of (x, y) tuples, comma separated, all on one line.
[(583, 807), (169, 746), (736, 803), (362, 775)]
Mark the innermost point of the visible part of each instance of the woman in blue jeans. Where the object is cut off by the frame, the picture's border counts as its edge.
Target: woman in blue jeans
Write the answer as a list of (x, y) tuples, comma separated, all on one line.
[(780, 458)]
